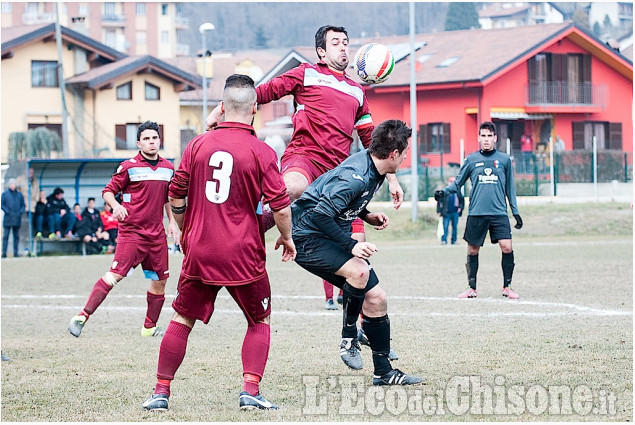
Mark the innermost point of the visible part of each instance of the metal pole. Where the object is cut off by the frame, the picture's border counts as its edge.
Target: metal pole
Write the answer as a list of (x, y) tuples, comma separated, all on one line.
[(509, 143), (551, 173), (595, 166), (62, 83), (414, 157)]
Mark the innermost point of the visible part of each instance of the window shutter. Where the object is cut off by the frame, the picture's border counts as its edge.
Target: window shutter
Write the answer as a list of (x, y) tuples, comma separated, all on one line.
[(586, 68), (615, 135), (120, 136), (446, 137), (531, 69), (424, 139), (578, 135)]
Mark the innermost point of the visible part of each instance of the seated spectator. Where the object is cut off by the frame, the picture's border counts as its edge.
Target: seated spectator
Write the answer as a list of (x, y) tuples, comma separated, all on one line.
[(89, 229), (110, 225), (59, 216), (39, 214)]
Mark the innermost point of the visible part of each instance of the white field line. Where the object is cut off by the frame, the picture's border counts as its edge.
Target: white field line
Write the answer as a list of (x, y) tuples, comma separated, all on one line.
[(562, 309), (461, 244)]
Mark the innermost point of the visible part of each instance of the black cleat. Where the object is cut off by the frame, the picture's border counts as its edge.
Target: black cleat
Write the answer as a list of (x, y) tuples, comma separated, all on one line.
[(396, 377), (361, 337)]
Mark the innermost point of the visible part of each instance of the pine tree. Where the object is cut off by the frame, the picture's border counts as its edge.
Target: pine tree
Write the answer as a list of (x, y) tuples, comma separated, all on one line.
[(461, 16)]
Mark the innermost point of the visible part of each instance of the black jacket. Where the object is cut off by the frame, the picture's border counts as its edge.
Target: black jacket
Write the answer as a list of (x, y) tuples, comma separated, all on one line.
[(444, 206), (54, 205)]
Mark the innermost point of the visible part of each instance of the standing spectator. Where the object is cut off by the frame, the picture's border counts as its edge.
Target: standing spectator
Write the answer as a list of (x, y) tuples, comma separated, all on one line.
[(13, 207), (322, 229), (144, 181), (526, 151), (450, 209), (491, 174), (110, 224), (225, 174), (39, 214), (559, 145), (60, 218)]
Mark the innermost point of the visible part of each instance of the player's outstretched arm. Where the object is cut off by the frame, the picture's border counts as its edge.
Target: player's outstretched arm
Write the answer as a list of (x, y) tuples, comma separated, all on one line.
[(378, 219), (214, 118), (396, 192), (283, 223)]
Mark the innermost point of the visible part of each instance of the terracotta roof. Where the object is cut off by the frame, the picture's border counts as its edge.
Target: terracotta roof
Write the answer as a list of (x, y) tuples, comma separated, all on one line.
[(14, 37), (104, 75), (224, 65)]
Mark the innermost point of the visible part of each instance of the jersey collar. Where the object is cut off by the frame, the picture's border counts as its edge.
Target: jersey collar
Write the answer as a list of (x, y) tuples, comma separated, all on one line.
[(233, 124), (323, 65)]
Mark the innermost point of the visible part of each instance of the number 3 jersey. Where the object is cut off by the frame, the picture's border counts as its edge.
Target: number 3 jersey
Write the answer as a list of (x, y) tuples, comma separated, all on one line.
[(225, 174), (144, 193)]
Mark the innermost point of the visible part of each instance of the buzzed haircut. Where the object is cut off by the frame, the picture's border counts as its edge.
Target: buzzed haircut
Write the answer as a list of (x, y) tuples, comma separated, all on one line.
[(239, 94), (487, 125), (320, 36), (148, 125), (388, 136)]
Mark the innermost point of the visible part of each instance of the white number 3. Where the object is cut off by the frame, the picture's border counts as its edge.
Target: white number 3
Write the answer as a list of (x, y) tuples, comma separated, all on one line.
[(217, 189)]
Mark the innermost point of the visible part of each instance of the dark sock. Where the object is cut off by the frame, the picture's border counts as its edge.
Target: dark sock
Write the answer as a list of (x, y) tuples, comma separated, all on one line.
[(507, 262), (171, 354), (96, 297), (155, 304), (352, 307), (377, 331), (472, 267)]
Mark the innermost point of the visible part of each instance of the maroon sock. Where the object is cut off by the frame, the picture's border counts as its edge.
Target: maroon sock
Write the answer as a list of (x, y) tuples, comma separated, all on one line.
[(155, 304), (96, 297), (254, 354), (171, 354), (328, 289)]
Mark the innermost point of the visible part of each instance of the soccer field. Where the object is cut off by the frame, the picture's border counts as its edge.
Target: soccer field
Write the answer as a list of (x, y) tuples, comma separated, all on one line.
[(563, 352)]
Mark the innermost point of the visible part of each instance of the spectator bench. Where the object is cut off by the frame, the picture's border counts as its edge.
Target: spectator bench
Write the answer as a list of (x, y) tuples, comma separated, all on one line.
[(71, 245)]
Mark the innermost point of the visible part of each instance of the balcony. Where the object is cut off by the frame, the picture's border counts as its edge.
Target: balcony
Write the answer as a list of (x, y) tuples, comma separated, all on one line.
[(567, 96), (113, 21), (181, 23)]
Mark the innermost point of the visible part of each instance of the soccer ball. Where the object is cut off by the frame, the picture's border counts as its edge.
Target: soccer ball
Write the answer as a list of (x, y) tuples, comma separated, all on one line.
[(374, 63)]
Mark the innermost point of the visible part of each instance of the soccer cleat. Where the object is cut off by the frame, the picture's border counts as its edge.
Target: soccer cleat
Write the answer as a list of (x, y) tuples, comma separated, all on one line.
[(509, 293), (156, 403), (52, 236), (340, 299), (396, 377), (361, 337), (468, 293), (5, 358), (330, 305), (76, 325), (38, 235), (247, 401), (155, 331), (349, 351)]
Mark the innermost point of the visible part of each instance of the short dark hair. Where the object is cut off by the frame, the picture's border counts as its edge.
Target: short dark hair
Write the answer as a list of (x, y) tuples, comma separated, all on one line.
[(239, 94), (320, 36), (91, 199), (388, 136), (487, 125), (239, 80), (76, 205), (58, 190), (148, 125)]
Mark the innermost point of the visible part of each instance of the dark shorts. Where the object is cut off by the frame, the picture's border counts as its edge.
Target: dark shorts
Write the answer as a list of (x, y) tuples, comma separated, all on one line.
[(153, 259), (195, 299), (477, 226), (303, 165), (323, 257)]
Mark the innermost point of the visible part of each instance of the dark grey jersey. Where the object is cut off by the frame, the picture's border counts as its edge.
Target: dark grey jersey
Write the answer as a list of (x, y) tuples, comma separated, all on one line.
[(341, 193), (492, 180)]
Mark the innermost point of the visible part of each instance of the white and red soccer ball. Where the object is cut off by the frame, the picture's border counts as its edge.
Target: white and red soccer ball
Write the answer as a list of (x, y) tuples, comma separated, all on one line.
[(373, 63)]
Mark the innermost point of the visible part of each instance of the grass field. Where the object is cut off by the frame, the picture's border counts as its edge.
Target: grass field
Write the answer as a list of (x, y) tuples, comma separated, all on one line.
[(563, 352)]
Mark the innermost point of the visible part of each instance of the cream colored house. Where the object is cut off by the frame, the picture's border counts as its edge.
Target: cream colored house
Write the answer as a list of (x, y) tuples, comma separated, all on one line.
[(108, 94)]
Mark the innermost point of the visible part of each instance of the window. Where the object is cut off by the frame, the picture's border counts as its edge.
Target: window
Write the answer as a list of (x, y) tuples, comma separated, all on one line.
[(165, 37), (111, 39), (141, 37), (448, 62), (434, 138), (179, 9), (126, 136), (560, 79), (141, 9), (44, 74), (6, 8), (124, 91), (607, 135), (164, 9), (152, 92), (83, 10), (109, 9)]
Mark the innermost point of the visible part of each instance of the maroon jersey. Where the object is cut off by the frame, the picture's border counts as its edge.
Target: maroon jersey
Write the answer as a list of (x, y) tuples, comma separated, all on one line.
[(224, 174), (329, 107), (144, 193)]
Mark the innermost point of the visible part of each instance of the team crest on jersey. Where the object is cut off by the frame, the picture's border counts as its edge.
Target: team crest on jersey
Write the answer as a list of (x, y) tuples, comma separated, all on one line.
[(496, 163), (265, 303)]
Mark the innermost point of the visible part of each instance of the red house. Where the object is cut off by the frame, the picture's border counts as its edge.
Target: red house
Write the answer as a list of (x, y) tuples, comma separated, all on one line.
[(541, 80)]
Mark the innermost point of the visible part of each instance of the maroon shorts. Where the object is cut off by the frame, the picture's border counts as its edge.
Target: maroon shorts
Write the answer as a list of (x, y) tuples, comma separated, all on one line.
[(153, 259), (303, 165), (195, 299)]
